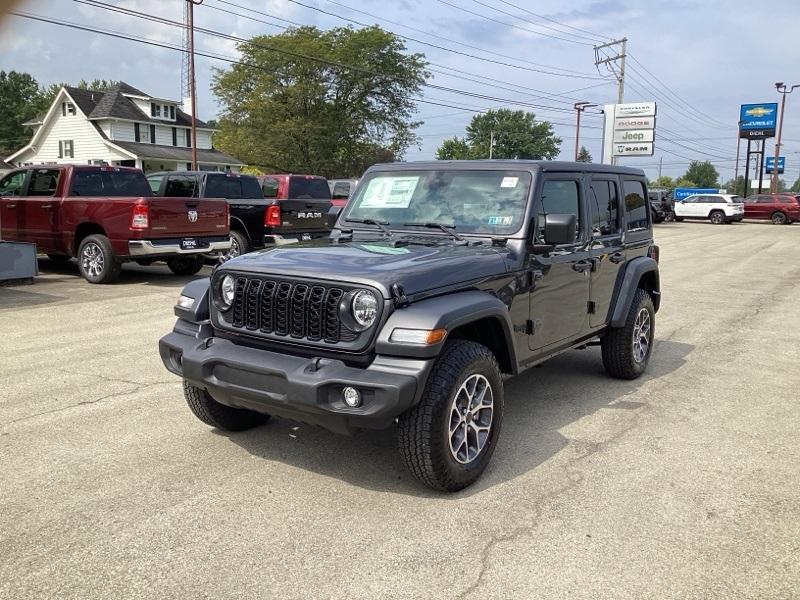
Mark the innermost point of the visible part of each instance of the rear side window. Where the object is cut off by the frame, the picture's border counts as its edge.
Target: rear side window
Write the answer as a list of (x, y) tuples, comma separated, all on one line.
[(222, 186), (154, 181), (250, 187), (605, 213), (765, 200), (560, 197), (341, 190), (635, 205), (180, 186), (11, 185), (269, 187), (306, 188), (43, 182), (111, 183)]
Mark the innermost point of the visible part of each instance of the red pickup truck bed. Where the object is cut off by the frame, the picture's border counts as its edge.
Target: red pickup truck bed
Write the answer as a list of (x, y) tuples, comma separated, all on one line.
[(107, 215)]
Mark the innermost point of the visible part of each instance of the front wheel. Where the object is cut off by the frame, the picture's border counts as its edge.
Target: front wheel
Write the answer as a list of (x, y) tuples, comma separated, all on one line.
[(778, 218), (717, 217), (448, 439), (185, 265), (96, 260), (211, 412), (626, 350)]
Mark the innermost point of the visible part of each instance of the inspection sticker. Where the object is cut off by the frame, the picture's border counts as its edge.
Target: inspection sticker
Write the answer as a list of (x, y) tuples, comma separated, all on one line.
[(389, 192), (509, 182)]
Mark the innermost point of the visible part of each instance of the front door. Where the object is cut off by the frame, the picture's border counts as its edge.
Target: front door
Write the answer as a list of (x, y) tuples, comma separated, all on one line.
[(607, 253), (560, 295), (11, 188), (41, 208)]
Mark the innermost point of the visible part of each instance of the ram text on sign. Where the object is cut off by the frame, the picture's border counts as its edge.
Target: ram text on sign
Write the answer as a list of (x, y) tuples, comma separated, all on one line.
[(635, 123), (635, 109), (639, 149), (634, 135)]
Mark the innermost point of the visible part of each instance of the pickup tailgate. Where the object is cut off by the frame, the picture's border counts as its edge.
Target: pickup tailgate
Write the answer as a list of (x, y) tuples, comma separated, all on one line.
[(299, 216), (180, 217)]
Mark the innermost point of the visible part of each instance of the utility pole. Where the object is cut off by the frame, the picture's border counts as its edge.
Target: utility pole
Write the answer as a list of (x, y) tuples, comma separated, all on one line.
[(660, 164), (736, 171), (192, 83), (579, 108), (616, 65), (784, 91)]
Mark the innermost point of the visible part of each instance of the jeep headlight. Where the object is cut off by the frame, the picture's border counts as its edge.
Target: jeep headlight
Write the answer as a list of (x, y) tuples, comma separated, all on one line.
[(364, 308), (227, 289)]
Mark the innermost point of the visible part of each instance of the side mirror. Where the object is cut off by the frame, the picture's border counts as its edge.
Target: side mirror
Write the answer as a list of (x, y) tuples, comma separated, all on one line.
[(559, 229)]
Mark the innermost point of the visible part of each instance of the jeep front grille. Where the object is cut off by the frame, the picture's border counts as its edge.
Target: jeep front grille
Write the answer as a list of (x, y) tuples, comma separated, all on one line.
[(295, 310)]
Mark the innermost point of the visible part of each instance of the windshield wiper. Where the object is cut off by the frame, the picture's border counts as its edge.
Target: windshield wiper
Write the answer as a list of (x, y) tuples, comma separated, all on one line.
[(446, 228), (379, 224)]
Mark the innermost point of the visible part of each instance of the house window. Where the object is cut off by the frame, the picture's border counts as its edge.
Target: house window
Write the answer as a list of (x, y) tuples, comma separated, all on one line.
[(66, 149), (172, 112), (137, 133), (67, 108), (174, 136), (152, 134), (188, 138), (155, 109)]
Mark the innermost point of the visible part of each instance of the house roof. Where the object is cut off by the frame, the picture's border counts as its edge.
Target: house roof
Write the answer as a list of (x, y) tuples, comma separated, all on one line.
[(155, 151), (5, 166), (111, 103)]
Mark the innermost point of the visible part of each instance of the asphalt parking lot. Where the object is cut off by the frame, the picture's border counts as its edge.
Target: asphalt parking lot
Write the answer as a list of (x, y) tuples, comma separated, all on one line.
[(683, 484)]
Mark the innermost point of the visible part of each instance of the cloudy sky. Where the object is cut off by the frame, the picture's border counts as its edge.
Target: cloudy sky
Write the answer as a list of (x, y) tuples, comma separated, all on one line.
[(698, 59)]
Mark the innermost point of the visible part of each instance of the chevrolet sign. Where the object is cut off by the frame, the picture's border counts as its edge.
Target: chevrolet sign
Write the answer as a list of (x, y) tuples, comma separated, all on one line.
[(757, 121)]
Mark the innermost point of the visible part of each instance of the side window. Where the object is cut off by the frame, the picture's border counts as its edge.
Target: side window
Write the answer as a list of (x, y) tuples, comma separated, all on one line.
[(270, 188), (635, 205), (605, 213), (11, 185), (765, 200), (560, 197), (180, 186), (43, 182), (341, 190), (154, 181)]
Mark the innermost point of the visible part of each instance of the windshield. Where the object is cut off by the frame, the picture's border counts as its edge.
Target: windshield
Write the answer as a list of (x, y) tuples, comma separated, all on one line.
[(487, 202)]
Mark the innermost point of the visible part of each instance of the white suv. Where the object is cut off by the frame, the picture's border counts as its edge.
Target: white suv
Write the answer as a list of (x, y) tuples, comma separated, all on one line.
[(717, 208)]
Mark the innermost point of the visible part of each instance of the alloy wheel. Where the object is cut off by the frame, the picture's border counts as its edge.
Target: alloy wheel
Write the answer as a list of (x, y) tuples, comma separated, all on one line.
[(93, 260), (641, 335), (471, 419)]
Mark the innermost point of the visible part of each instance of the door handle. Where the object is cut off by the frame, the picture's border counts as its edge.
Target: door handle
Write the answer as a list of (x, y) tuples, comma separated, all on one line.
[(582, 266), (46, 206), (11, 205), (617, 258)]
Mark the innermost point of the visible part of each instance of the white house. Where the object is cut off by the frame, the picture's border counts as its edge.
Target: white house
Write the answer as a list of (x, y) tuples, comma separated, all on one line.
[(119, 126)]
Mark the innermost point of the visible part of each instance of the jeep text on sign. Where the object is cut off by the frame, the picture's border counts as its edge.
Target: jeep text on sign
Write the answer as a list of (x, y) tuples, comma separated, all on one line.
[(634, 135)]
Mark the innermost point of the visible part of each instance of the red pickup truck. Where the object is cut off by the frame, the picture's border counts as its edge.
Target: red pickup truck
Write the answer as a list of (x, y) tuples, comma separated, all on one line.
[(105, 216)]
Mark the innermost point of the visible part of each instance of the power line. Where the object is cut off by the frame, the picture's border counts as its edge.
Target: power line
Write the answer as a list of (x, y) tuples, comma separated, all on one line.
[(598, 36), (494, 8)]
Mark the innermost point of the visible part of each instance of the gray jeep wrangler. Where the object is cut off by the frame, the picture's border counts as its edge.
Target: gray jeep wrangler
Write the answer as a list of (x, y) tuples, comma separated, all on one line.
[(439, 279)]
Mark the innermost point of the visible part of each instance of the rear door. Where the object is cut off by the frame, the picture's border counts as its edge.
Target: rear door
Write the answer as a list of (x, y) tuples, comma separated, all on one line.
[(11, 189), (40, 207), (180, 211), (751, 210), (606, 250)]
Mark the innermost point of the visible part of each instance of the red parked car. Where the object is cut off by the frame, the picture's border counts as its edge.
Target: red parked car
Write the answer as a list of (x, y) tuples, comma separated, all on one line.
[(285, 186), (105, 216), (778, 208)]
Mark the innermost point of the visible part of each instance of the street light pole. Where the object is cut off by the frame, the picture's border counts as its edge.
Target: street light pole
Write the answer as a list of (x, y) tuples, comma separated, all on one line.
[(579, 108), (783, 90)]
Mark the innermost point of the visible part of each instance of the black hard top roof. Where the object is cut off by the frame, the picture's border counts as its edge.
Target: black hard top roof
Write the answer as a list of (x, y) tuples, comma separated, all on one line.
[(508, 165)]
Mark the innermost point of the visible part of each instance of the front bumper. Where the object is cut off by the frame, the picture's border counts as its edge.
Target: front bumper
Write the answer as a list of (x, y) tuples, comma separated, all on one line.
[(173, 247), (300, 388)]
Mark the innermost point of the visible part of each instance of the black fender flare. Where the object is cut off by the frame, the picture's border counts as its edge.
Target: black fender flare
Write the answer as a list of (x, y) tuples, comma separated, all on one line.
[(240, 226), (634, 272), (445, 312), (199, 289)]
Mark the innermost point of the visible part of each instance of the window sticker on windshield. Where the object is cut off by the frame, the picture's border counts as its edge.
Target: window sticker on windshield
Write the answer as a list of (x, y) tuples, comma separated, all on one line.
[(509, 182), (389, 192), (501, 220)]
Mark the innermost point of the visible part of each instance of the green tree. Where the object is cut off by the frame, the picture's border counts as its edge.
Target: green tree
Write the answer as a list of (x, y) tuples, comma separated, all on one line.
[(683, 182), (334, 115), (795, 186), (20, 101), (735, 187), (454, 149), (703, 174), (49, 93), (583, 155), (664, 181)]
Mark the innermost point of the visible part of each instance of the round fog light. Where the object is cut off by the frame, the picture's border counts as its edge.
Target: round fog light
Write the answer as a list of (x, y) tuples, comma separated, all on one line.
[(351, 396)]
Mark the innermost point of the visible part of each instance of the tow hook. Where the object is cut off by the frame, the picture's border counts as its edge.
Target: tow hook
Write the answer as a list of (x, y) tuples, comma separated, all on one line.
[(399, 296)]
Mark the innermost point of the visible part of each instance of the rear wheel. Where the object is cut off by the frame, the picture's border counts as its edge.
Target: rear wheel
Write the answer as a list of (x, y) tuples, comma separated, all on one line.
[(239, 245), (778, 218), (626, 350), (717, 217), (211, 412), (185, 265), (96, 260), (448, 439)]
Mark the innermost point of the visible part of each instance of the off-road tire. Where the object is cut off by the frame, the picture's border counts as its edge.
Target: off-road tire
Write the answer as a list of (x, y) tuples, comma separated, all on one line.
[(185, 265), (211, 412), (112, 266), (424, 432), (717, 217), (778, 218), (617, 343)]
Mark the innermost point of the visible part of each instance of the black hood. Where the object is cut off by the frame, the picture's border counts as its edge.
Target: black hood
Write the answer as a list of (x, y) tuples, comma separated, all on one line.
[(417, 268)]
